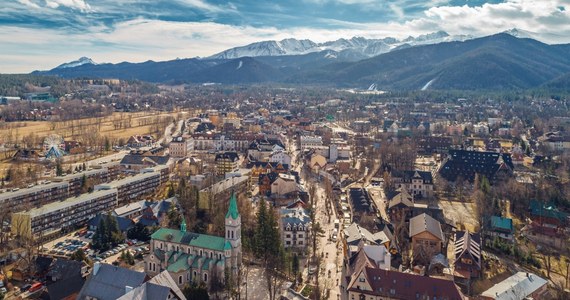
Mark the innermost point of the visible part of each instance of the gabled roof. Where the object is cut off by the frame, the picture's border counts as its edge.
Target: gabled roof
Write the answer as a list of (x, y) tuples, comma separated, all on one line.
[(136, 159), (517, 286), (108, 282), (189, 238), (233, 156), (501, 223), (468, 244), (549, 210), (408, 175), (124, 223), (425, 222), (465, 164), (399, 285), (402, 197)]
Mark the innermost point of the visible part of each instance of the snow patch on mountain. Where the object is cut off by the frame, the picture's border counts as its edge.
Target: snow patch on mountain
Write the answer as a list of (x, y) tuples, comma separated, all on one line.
[(76, 63), (239, 65), (355, 47)]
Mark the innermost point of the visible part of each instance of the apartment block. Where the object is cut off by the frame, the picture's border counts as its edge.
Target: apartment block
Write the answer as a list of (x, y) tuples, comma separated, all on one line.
[(34, 196), (61, 216), (75, 180), (130, 188)]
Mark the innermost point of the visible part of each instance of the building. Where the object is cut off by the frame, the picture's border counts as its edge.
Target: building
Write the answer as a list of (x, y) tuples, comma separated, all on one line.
[(219, 192), (307, 142), (418, 183), (160, 287), (108, 282), (76, 181), (464, 164), (179, 147), (258, 168), (295, 227), (138, 141), (226, 162), (427, 237), (123, 223), (284, 184), (434, 144), (131, 188), (400, 206), (21, 199), (355, 236), (192, 257), (65, 215), (501, 227), (280, 156), (522, 285), (556, 141), (361, 204), (468, 262), (134, 163), (378, 284)]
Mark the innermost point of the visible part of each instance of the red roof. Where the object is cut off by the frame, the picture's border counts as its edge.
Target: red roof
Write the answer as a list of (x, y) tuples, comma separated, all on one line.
[(398, 285)]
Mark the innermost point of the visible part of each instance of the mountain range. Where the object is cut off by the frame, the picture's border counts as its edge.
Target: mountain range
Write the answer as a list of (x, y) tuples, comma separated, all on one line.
[(509, 60)]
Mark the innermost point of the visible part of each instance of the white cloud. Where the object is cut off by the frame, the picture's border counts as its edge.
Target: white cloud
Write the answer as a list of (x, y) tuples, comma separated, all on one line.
[(80, 5), (139, 40), (29, 3)]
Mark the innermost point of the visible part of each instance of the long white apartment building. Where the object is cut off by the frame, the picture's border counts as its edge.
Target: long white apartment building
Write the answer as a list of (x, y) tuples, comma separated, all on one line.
[(47, 220)]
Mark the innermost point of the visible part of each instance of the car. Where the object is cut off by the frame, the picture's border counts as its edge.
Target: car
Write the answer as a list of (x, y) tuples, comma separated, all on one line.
[(25, 287), (3, 290), (35, 287)]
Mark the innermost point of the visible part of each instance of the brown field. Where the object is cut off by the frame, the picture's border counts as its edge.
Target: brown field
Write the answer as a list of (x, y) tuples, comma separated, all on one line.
[(138, 123)]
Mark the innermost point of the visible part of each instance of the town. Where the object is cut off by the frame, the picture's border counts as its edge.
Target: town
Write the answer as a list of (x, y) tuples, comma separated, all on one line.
[(232, 192)]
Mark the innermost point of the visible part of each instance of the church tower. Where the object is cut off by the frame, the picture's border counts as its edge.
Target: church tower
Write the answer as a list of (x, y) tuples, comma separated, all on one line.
[(233, 233)]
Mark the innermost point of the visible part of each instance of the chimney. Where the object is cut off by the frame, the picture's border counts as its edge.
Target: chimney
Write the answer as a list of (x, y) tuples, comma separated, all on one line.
[(96, 268), (128, 289)]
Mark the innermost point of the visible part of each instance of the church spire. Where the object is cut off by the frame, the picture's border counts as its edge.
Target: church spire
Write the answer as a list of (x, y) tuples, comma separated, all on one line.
[(233, 209), (183, 225)]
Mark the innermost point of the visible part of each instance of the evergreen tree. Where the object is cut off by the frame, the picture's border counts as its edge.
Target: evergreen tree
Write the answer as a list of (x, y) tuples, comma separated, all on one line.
[(139, 232), (58, 168), (99, 237), (113, 234)]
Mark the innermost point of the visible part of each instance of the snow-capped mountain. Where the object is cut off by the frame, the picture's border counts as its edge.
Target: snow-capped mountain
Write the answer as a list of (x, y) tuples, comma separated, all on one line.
[(358, 47), (76, 63)]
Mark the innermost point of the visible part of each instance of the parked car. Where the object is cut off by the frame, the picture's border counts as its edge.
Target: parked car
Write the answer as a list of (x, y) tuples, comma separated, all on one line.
[(25, 287)]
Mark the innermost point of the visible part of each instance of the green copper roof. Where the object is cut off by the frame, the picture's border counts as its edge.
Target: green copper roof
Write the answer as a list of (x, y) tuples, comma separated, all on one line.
[(181, 264), (233, 209), (502, 223), (228, 246), (189, 238)]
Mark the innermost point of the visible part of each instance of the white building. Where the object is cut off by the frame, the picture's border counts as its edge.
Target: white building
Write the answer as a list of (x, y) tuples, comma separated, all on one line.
[(295, 226), (308, 142)]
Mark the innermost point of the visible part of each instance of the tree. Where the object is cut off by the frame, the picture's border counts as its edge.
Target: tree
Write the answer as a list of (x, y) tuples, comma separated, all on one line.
[(196, 292), (58, 168), (174, 218), (79, 255), (139, 232), (99, 240)]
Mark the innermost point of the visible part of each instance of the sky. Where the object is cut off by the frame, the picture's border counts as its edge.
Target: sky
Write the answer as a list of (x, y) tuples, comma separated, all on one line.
[(41, 34)]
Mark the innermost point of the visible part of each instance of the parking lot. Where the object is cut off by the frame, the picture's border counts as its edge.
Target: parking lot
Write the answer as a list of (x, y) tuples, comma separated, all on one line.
[(67, 245)]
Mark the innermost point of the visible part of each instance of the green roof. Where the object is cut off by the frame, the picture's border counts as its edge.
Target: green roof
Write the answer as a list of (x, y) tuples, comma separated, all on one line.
[(502, 223), (228, 246), (206, 265), (196, 263), (181, 264), (547, 210), (233, 209), (189, 238)]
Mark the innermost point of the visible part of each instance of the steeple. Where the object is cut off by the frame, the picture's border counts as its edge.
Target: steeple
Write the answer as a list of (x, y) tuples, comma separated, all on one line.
[(183, 225), (233, 209)]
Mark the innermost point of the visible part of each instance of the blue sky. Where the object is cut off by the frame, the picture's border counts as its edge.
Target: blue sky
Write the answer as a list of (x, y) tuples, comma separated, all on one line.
[(41, 34)]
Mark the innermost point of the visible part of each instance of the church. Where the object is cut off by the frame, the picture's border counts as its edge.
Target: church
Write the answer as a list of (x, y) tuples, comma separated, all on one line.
[(193, 257)]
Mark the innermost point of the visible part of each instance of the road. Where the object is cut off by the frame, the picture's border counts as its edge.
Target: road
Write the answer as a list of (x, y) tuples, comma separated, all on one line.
[(329, 273)]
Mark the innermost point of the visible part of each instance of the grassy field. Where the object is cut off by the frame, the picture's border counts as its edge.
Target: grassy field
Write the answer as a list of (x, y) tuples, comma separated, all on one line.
[(116, 126)]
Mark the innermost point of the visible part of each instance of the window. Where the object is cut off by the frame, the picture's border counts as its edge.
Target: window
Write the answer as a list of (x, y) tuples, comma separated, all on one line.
[(288, 236), (362, 279), (300, 242), (180, 279), (300, 236), (205, 277)]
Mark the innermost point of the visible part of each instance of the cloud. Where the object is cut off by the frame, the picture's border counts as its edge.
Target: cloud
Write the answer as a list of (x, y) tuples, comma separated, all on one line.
[(139, 30)]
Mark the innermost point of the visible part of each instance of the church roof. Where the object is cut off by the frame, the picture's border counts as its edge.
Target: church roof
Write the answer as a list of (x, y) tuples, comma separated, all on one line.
[(189, 238), (233, 209)]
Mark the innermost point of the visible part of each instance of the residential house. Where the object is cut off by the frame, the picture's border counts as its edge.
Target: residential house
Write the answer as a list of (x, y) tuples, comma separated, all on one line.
[(400, 206), (295, 225), (134, 163), (160, 287), (138, 141), (417, 183), (468, 257), (108, 282), (355, 236), (434, 144), (193, 257), (65, 279), (501, 227), (427, 237), (280, 156), (284, 184), (522, 285), (361, 204), (124, 223), (377, 284)]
